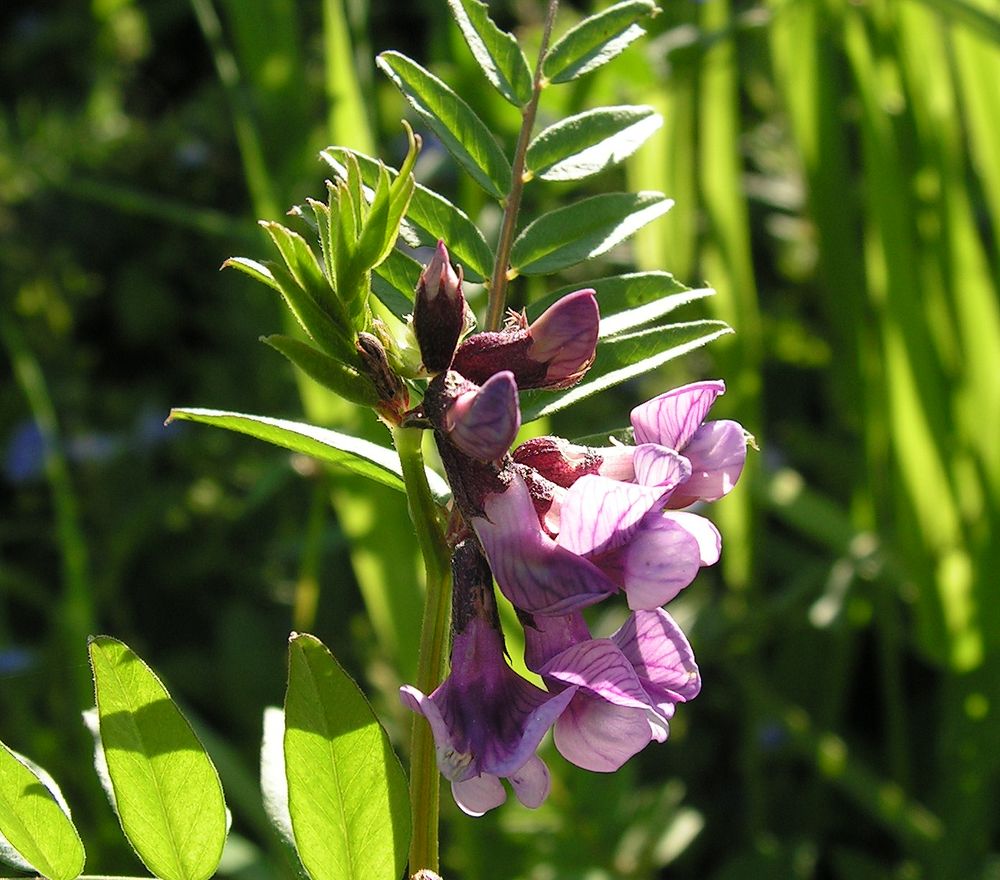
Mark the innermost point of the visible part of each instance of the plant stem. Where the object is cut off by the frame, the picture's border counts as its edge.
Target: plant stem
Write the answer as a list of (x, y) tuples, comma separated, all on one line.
[(512, 205), (425, 781)]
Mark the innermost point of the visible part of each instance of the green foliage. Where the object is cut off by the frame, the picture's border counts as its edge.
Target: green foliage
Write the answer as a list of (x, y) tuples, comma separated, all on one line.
[(36, 831), (347, 797), (430, 217), (584, 230), (590, 142), (352, 453), (596, 40), (626, 356), (496, 51), (465, 135), (166, 790)]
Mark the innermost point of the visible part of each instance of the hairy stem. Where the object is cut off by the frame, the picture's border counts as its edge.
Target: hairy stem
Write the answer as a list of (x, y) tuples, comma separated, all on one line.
[(512, 205), (425, 782)]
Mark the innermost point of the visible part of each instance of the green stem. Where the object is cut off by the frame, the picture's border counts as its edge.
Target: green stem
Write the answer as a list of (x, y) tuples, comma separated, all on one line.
[(76, 608), (512, 205), (425, 781)]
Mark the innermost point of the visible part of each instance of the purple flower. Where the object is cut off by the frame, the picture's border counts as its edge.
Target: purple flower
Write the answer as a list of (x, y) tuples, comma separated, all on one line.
[(439, 311), (624, 687), (533, 571), (483, 421), (717, 450), (554, 550), (650, 553), (487, 721), (555, 351)]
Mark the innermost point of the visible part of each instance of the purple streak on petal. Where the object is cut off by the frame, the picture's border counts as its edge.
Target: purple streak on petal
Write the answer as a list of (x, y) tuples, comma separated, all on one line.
[(599, 736), (661, 560), (599, 514), (702, 530), (672, 418), (661, 655), (531, 783), (546, 636), (490, 712), (483, 422), (598, 666), (536, 574), (661, 466), (479, 794), (717, 451), (564, 338)]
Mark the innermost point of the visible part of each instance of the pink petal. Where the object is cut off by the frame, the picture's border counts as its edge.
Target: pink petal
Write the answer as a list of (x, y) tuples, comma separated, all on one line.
[(531, 783), (661, 466), (661, 655), (717, 452), (599, 514), (536, 574), (479, 794), (600, 736), (659, 563), (702, 530), (599, 666), (672, 418), (565, 336)]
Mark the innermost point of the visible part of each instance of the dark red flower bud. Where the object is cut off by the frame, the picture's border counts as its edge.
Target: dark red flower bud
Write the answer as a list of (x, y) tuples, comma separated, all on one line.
[(553, 352), (439, 311)]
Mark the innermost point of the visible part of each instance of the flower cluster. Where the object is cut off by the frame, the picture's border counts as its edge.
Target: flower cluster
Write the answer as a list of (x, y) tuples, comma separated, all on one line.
[(559, 527)]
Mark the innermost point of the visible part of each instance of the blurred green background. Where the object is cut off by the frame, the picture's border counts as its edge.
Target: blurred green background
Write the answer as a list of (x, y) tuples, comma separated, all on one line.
[(836, 167)]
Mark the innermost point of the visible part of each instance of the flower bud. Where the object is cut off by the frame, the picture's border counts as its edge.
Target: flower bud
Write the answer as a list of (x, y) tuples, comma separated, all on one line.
[(563, 463), (484, 421), (392, 393), (553, 352), (439, 311)]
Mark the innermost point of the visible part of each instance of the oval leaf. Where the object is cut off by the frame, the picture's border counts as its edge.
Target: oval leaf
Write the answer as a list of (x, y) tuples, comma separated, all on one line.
[(36, 832), (453, 121), (347, 794), (629, 301), (394, 282), (596, 40), (167, 792), (622, 358), (358, 456), (583, 230), (590, 142), (496, 51), (433, 217)]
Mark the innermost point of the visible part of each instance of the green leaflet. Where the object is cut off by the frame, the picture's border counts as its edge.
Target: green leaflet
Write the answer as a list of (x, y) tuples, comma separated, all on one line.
[(596, 40), (433, 216), (166, 791), (622, 358), (453, 121), (394, 282), (583, 230), (359, 456), (590, 142), (629, 301), (347, 793), (329, 372), (36, 831), (496, 51)]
